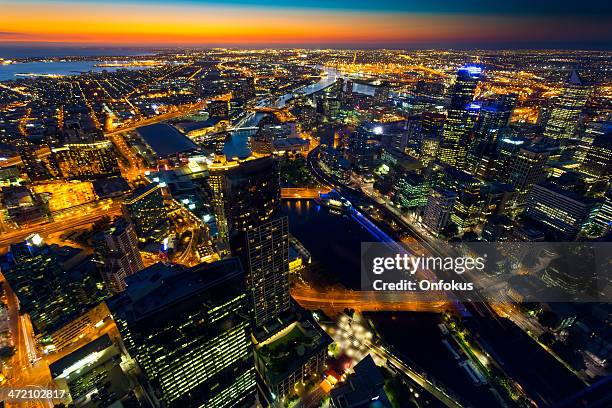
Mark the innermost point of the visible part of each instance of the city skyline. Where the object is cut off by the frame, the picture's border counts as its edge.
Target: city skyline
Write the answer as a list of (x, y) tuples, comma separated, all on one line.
[(343, 24)]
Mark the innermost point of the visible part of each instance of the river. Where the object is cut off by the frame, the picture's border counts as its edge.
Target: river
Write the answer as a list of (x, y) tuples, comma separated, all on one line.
[(238, 144)]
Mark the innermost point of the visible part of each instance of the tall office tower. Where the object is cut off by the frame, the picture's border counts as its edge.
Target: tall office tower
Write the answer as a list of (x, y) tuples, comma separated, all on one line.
[(364, 150), (145, 209), (469, 204), (381, 95), (40, 283), (492, 117), (595, 150), (119, 254), (453, 147), (86, 156), (432, 126), (347, 92), (268, 275), (244, 196), (565, 113), (439, 209), (600, 223), (189, 331), (526, 168), (561, 211)]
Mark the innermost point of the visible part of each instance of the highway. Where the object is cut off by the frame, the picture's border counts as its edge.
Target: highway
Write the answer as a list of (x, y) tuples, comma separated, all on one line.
[(79, 218)]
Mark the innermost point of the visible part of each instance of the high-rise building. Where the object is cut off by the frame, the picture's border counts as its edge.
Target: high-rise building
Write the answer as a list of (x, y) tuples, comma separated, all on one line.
[(453, 147), (497, 228), (244, 196), (432, 126), (41, 285), (365, 385), (492, 117), (595, 150), (347, 93), (81, 372), (469, 204), (189, 331), (565, 114), (268, 275), (410, 190), (439, 209), (145, 209), (119, 254), (364, 150), (562, 212), (526, 168)]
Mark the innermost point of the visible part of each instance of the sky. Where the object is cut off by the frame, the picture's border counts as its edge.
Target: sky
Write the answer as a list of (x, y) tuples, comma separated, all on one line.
[(310, 23)]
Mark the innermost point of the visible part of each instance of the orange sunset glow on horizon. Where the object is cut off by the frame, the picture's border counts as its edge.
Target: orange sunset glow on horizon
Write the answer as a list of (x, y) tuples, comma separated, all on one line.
[(190, 24)]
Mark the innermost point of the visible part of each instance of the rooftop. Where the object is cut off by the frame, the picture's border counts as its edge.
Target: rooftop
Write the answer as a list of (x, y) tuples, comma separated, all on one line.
[(165, 140)]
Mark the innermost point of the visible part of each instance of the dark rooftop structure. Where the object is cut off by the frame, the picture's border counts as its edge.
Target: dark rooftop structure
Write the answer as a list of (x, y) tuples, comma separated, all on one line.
[(99, 344), (363, 389), (164, 140)]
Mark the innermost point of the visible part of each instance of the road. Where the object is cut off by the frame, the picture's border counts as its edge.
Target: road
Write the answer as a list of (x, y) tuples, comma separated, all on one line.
[(336, 300), (70, 221)]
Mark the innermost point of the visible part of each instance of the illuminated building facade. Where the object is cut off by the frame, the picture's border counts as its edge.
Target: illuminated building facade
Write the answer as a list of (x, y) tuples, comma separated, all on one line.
[(439, 209), (595, 150), (561, 211), (189, 331), (453, 147), (526, 168), (145, 210), (469, 204), (565, 114), (119, 254), (432, 126), (245, 194), (268, 275), (94, 370), (364, 150), (36, 276), (410, 190)]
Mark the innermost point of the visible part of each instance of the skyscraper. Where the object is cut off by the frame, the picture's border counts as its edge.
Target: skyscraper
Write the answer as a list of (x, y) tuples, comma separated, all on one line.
[(439, 209), (146, 211), (268, 276), (565, 114), (189, 331), (453, 147), (492, 117), (526, 168), (40, 283), (245, 195), (364, 150), (119, 254)]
